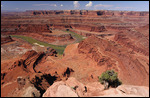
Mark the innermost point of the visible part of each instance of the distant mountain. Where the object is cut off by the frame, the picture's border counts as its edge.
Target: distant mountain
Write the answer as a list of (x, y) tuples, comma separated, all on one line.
[(3, 11)]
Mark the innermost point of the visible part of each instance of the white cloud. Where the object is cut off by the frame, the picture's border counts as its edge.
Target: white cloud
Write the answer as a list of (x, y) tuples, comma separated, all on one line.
[(39, 4), (101, 5), (76, 4), (53, 5), (17, 8), (89, 4), (1, 5), (61, 5), (44, 5)]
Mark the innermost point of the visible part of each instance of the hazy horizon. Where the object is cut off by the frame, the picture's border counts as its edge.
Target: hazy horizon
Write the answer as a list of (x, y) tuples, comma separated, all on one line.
[(75, 5)]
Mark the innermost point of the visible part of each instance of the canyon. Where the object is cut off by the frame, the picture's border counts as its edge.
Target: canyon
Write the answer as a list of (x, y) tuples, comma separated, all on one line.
[(43, 52)]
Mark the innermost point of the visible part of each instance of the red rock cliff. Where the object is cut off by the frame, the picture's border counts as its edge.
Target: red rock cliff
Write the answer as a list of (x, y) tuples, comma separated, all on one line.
[(91, 13)]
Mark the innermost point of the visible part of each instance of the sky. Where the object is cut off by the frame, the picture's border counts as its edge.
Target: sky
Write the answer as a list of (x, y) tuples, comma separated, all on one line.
[(75, 5)]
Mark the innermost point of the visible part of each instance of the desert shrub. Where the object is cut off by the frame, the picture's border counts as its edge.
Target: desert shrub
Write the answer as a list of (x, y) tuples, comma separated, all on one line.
[(110, 77)]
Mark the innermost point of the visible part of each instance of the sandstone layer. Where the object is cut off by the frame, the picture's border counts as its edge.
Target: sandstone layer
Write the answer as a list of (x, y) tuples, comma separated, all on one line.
[(5, 39), (90, 13)]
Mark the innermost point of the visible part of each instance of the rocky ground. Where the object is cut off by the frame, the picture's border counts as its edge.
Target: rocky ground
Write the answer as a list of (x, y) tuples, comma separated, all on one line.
[(94, 44), (73, 88)]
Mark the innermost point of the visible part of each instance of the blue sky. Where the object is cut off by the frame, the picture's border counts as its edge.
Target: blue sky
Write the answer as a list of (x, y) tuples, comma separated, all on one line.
[(72, 5)]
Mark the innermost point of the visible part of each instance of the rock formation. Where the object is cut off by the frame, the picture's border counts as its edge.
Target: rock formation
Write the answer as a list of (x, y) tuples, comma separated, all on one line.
[(90, 13), (116, 40), (6, 39), (129, 41), (30, 80), (106, 53), (67, 89)]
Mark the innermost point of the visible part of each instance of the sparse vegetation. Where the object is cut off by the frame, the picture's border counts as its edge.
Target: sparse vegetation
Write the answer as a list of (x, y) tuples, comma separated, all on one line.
[(59, 49), (109, 78)]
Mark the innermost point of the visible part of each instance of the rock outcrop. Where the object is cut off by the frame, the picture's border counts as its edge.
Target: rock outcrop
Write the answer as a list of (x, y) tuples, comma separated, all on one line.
[(24, 89), (51, 52), (31, 92), (59, 89), (92, 21), (29, 61), (134, 40), (90, 13), (108, 53), (29, 76), (6, 39), (73, 88)]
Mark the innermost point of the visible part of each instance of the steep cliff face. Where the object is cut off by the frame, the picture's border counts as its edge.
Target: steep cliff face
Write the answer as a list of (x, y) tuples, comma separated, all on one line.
[(89, 28), (6, 39), (19, 28), (33, 28), (62, 38), (91, 13), (93, 21), (31, 67), (122, 13), (114, 56), (134, 40)]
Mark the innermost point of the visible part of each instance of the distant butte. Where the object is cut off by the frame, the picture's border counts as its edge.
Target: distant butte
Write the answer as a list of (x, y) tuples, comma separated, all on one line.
[(91, 13)]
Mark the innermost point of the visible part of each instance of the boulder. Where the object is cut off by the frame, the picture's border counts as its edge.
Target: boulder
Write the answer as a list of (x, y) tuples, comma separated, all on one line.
[(31, 92), (51, 91), (74, 88), (134, 90), (77, 86), (65, 91), (21, 82), (94, 89)]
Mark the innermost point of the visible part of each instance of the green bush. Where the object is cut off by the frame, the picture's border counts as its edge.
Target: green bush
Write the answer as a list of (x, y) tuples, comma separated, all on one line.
[(111, 77)]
